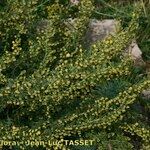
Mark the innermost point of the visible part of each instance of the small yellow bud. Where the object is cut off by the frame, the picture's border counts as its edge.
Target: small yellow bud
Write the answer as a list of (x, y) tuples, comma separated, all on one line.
[(68, 55)]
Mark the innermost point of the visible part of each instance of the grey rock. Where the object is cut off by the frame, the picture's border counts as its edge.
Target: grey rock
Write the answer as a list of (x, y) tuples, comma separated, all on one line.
[(146, 94), (74, 2), (99, 29), (136, 54)]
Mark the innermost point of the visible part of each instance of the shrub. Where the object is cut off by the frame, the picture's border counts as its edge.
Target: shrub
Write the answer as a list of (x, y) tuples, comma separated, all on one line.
[(52, 88)]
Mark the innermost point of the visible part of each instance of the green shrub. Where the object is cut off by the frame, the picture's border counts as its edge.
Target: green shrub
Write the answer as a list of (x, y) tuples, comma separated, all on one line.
[(52, 88)]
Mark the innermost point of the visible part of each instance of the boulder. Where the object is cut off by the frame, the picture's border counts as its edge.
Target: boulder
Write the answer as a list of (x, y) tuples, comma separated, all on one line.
[(99, 29), (146, 94), (136, 54), (74, 2)]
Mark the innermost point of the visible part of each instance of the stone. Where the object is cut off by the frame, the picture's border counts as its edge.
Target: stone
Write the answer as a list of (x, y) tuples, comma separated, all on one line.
[(134, 50), (146, 94), (136, 53), (74, 2), (99, 29)]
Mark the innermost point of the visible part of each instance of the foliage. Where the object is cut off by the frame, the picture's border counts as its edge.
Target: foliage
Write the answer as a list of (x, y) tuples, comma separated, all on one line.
[(51, 86)]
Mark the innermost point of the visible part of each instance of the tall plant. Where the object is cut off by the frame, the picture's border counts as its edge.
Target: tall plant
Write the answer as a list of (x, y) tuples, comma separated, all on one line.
[(50, 84)]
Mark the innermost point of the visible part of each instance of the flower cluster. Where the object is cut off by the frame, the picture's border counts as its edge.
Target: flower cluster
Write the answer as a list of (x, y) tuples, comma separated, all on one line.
[(47, 78)]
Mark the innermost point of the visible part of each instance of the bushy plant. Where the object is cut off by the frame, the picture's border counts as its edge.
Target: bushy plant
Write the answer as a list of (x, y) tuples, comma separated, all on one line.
[(52, 88)]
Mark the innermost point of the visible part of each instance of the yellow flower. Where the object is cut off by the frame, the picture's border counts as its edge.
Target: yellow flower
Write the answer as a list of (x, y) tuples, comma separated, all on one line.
[(68, 55)]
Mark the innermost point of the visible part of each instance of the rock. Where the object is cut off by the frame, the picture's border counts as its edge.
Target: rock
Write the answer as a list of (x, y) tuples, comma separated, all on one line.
[(98, 29), (136, 54), (74, 2), (146, 94), (134, 50)]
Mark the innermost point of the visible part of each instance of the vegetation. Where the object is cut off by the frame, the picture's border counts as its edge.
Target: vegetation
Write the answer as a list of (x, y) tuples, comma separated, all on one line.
[(53, 88)]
